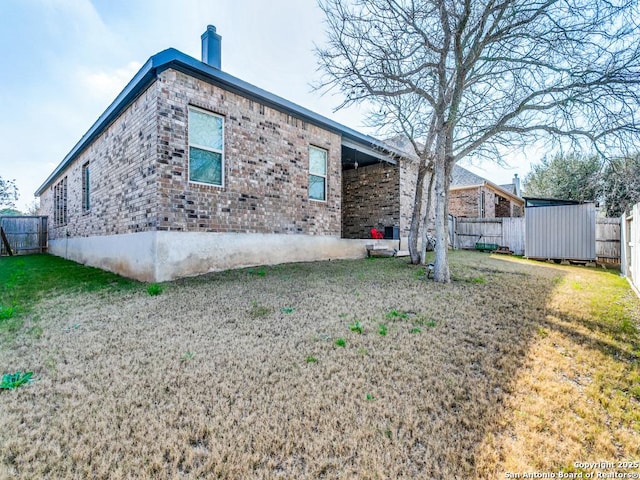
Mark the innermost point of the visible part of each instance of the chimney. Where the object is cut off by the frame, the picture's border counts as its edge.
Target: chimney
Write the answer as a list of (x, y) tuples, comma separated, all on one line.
[(516, 185), (211, 47)]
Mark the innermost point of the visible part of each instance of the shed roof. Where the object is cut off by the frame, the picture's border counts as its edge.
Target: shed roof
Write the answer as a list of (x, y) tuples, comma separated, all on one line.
[(552, 202), (174, 59)]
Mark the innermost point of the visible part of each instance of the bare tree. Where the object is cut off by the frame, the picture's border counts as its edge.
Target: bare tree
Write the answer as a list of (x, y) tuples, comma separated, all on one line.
[(464, 77)]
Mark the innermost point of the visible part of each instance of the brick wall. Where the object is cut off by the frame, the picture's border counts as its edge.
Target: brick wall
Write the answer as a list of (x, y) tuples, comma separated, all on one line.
[(139, 170), (489, 203), (466, 202), (408, 179), (266, 166), (503, 208), (122, 177), (517, 210), (370, 199)]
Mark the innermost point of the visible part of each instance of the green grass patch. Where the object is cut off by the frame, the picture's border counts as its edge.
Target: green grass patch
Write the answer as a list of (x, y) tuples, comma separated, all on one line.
[(258, 311), (382, 329), (24, 280), (187, 356), (397, 315), (311, 359), (356, 327), (15, 380), (154, 289), (340, 342), (7, 312)]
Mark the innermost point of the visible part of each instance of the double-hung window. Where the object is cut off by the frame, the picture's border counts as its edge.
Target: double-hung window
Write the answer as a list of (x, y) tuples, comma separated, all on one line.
[(60, 203), (206, 147), (317, 174), (86, 202)]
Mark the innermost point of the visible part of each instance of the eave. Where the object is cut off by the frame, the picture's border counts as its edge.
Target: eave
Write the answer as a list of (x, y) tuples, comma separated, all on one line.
[(174, 59)]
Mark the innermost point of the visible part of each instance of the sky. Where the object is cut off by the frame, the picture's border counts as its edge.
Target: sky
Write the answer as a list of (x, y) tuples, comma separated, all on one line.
[(65, 61)]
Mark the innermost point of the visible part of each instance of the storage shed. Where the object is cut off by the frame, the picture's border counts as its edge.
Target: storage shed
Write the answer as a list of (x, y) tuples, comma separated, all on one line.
[(560, 229)]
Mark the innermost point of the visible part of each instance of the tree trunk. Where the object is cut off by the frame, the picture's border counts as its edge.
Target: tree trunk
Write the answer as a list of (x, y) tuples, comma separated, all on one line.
[(415, 216), (442, 171), (425, 221)]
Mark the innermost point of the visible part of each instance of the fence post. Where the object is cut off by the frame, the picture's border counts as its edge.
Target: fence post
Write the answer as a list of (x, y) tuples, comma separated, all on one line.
[(5, 240)]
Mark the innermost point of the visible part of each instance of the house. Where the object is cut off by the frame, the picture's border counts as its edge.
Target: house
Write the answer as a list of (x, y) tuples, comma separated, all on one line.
[(192, 170), (470, 195)]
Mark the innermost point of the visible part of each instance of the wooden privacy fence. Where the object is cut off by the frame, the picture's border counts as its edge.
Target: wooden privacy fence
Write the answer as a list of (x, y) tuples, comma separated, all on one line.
[(630, 251), (511, 232), (507, 231), (23, 234), (608, 240)]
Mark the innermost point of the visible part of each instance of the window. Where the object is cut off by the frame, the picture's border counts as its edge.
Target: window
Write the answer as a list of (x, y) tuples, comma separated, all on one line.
[(317, 174), (60, 203), (482, 205), (206, 147), (86, 202)]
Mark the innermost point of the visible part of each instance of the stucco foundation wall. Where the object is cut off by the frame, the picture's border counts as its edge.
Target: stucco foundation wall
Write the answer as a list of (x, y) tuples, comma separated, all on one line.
[(123, 189), (370, 199), (162, 256), (185, 254), (131, 255), (266, 166)]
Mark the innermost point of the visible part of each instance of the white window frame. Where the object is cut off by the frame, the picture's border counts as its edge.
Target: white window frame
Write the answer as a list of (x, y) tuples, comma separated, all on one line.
[(326, 170), (208, 149)]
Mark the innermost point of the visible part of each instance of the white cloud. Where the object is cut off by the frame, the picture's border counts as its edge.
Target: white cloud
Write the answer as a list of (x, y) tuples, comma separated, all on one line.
[(105, 84)]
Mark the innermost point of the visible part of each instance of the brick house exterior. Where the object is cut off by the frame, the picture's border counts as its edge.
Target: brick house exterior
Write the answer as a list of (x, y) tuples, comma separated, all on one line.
[(470, 195), (384, 195), (273, 182), (128, 197), (379, 196)]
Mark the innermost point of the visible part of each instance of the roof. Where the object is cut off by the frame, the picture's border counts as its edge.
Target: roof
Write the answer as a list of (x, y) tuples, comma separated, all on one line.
[(551, 202), (462, 178), (509, 187), (174, 59)]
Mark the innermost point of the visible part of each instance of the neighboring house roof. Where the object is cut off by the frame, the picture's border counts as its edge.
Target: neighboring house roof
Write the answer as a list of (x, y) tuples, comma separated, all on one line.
[(510, 187), (461, 179), (172, 58)]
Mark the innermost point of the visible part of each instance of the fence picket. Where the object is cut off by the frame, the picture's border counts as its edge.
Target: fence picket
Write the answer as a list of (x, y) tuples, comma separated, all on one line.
[(24, 234)]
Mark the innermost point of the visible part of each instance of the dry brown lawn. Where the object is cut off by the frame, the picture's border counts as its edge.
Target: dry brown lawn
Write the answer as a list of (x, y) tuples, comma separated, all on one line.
[(516, 366)]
